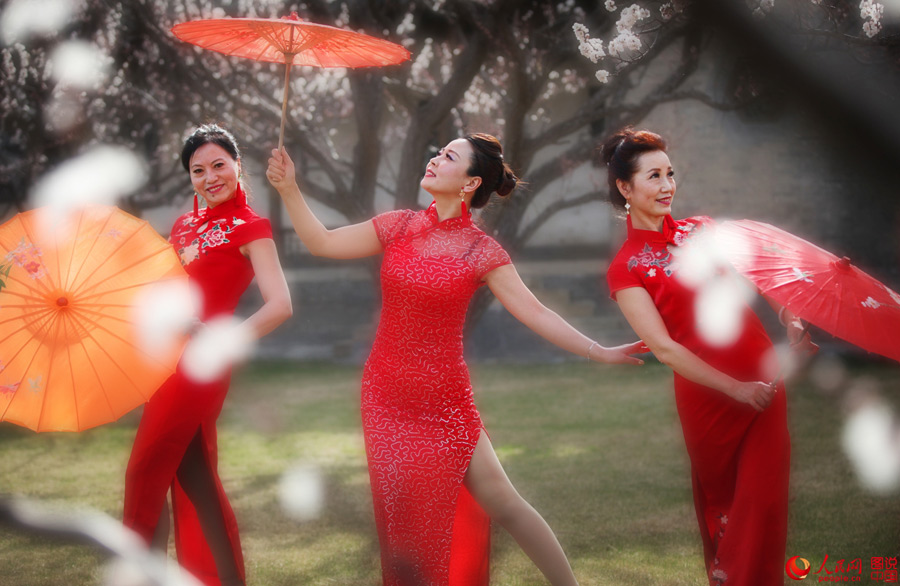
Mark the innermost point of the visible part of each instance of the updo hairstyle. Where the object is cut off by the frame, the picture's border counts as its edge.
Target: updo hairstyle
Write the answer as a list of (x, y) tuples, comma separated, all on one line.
[(621, 151), (487, 162), (205, 134)]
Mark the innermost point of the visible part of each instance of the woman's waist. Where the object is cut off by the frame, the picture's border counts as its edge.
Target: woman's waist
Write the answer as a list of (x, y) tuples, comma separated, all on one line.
[(435, 408)]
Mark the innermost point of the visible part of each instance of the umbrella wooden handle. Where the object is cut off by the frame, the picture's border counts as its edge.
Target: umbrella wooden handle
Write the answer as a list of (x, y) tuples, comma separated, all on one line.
[(288, 59), (780, 374)]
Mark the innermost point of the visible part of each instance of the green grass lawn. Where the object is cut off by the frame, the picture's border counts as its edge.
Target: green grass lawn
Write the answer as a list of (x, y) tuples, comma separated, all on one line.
[(597, 450)]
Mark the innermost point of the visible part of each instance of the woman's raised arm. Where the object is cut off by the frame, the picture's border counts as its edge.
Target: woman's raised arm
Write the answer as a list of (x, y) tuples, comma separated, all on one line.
[(517, 298), (353, 241)]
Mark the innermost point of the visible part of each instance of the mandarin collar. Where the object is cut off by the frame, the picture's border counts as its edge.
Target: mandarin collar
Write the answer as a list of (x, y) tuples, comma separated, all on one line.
[(226, 208), (461, 220), (667, 236)]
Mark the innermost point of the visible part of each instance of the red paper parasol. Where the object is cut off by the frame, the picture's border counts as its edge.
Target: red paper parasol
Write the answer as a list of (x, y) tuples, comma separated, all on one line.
[(815, 285), (71, 357), (292, 41)]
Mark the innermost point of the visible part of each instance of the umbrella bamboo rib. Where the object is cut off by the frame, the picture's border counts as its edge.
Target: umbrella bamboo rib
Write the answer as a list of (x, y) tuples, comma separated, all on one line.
[(24, 376), (82, 299), (113, 361), (58, 322), (143, 225), (22, 316), (89, 254), (72, 387), (146, 355), (22, 295)]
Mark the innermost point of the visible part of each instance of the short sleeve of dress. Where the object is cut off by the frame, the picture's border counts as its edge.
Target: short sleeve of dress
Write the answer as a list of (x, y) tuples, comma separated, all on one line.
[(390, 225), (618, 276), (255, 230), (490, 257)]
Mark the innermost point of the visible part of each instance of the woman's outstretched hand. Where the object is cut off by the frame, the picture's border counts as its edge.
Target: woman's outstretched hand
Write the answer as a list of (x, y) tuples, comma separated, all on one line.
[(757, 394), (618, 354), (281, 173)]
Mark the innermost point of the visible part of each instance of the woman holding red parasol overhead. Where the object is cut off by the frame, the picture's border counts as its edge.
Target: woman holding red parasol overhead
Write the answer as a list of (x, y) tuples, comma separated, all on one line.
[(435, 478), (222, 247), (735, 426)]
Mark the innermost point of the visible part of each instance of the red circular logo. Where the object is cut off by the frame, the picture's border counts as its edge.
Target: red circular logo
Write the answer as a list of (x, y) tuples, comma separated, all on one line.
[(797, 568)]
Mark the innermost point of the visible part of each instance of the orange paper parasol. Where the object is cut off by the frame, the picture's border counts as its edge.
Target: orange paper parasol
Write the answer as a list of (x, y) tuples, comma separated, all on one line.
[(292, 41), (70, 355)]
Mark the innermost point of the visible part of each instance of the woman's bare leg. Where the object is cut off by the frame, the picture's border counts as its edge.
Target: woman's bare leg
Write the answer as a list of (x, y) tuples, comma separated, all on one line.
[(489, 485), (194, 477)]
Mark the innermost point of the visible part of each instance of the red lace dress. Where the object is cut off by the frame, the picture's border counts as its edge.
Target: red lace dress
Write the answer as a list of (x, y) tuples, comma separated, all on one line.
[(740, 459), (208, 243), (419, 416)]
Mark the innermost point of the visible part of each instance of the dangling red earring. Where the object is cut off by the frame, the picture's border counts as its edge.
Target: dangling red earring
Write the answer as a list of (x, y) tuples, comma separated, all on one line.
[(196, 206)]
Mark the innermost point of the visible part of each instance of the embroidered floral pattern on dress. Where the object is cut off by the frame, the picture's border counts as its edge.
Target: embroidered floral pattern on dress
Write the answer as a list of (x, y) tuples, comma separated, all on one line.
[(664, 259), (189, 253), (651, 258), (718, 575), (683, 233), (216, 235)]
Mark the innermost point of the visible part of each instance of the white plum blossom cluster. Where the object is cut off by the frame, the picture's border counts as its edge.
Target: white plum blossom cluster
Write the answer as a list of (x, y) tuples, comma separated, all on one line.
[(590, 48), (871, 12), (625, 42)]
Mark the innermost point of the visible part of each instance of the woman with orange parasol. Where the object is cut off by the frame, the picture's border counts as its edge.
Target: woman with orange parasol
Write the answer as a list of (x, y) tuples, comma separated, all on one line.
[(436, 481), (735, 425), (222, 247)]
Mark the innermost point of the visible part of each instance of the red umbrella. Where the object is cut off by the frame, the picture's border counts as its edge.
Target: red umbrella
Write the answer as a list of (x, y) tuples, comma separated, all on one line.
[(292, 41), (815, 285)]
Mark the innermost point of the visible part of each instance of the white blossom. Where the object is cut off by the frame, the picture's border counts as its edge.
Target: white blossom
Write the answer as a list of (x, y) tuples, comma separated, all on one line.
[(872, 12), (667, 11), (603, 76), (624, 42), (610, 5), (630, 17), (590, 48)]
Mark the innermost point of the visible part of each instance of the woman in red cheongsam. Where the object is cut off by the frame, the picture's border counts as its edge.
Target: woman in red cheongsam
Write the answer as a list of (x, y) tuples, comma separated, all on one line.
[(222, 247), (735, 426), (436, 481)]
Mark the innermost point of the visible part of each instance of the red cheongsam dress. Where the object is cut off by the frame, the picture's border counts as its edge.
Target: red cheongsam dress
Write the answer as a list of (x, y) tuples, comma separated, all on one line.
[(208, 243), (419, 416), (739, 458)]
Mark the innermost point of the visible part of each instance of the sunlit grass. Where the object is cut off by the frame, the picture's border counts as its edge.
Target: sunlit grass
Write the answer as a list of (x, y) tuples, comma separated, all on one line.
[(597, 450)]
